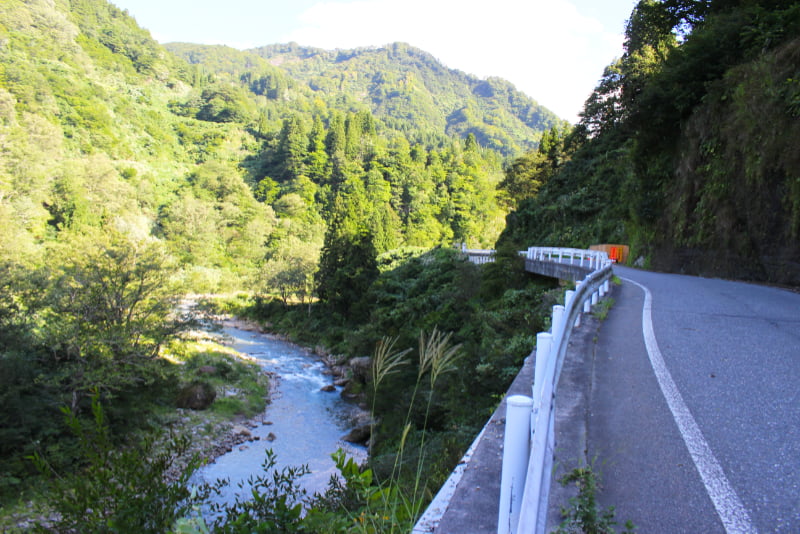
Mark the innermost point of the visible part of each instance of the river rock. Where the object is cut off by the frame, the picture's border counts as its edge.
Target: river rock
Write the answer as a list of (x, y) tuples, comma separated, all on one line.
[(359, 435), (241, 430), (361, 367), (353, 391), (328, 388), (271, 437), (196, 396)]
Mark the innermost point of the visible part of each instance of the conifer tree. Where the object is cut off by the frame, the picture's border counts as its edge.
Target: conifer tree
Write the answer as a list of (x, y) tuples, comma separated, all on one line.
[(317, 158), (292, 149), (348, 263)]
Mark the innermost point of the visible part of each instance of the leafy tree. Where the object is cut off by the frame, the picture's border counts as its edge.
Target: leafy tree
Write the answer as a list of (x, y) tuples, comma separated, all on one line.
[(124, 488), (605, 109), (290, 269), (111, 307), (527, 174), (191, 227), (224, 103)]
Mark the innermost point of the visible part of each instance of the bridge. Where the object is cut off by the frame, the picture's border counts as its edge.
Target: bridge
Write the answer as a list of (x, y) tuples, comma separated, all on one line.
[(685, 399)]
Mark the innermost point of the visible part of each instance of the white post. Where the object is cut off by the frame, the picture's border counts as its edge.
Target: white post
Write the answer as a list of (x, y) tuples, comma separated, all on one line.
[(570, 296), (558, 320), (595, 298), (544, 341), (516, 453)]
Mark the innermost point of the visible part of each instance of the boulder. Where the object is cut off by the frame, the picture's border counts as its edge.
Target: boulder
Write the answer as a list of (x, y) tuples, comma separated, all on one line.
[(196, 396), (241, 430), (359, 435), (328, 388), (361, 367), (353, 390)]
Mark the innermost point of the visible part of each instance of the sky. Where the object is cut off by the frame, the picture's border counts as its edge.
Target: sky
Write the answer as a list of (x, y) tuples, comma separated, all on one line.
[(552, 50)]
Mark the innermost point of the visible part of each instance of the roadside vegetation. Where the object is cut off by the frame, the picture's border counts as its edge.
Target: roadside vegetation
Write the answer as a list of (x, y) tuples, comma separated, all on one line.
[(132, 175), (584, 515)]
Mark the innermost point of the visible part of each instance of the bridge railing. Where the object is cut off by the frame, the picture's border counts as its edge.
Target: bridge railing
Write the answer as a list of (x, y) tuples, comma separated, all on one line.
[(479, 257), (529, 439), (592, 259)]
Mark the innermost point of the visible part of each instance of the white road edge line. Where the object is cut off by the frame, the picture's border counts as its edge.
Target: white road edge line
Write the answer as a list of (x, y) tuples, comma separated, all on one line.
[(729, 508)]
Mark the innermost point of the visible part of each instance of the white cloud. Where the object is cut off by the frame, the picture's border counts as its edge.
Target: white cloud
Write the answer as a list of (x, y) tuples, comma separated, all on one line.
[(547, 48)]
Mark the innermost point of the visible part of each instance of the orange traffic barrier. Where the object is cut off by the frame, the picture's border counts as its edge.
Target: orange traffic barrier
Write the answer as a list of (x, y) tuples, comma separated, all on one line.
[(616, 253)]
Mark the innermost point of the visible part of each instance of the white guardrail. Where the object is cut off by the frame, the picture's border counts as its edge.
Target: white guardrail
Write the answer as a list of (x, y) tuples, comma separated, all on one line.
[(529, 439)]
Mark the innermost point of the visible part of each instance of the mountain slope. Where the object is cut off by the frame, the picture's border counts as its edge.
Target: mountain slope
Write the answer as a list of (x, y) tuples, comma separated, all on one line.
[(407, 89), (227, 159), (687, 149)]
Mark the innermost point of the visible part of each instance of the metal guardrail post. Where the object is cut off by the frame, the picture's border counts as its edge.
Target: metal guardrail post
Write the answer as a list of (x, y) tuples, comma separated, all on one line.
[(557, 323), (516, 451), (544, 342)]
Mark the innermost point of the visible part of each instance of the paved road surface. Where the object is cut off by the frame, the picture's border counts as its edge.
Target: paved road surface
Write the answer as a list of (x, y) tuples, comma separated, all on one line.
[(695, 425)]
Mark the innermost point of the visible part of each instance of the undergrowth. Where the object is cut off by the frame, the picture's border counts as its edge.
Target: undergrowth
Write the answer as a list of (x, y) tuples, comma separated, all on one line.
[(584, 515)]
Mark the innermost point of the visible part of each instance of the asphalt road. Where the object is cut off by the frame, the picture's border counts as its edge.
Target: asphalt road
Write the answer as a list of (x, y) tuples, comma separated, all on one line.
[(694, 412)]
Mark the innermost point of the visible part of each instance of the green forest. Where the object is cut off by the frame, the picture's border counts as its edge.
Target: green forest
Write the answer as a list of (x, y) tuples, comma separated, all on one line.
[(327, 194)]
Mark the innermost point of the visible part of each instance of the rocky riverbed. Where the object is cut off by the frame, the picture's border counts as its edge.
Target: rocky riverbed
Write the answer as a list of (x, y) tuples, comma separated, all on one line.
[(212, 438)]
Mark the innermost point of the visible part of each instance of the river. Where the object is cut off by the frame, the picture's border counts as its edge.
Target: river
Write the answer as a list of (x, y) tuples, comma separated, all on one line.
[(306, 422)]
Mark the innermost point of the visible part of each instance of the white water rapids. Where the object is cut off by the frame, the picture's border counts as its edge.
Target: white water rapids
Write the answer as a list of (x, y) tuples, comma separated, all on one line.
[(307, 423)]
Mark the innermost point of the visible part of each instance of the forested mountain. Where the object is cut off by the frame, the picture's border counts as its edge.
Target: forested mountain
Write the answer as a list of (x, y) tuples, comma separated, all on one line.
[(687, 149), (406, 89), (229, 158)]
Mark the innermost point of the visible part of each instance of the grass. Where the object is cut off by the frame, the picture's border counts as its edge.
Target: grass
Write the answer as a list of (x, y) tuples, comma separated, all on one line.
[(241, 387), (584, 515), (602, 308), (393, 505)]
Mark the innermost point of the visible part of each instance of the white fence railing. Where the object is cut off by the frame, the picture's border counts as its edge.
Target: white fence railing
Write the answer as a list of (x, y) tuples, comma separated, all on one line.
[(593, 259), (524, 500), (478, 256), (529, 439)]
